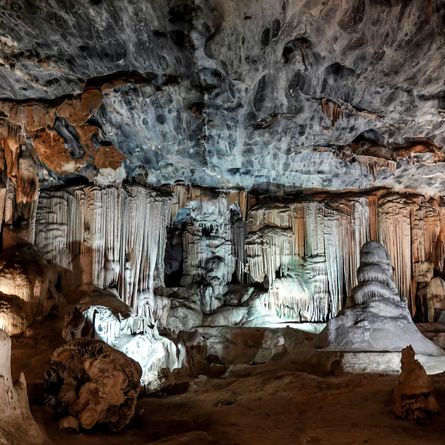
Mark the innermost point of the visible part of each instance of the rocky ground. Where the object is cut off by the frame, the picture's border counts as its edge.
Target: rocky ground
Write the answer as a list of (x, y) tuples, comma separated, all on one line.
[(266, 404)]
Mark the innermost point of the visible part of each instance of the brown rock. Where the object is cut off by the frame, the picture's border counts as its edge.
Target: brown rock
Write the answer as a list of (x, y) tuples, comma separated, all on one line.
[(413, 396), (94, 383)]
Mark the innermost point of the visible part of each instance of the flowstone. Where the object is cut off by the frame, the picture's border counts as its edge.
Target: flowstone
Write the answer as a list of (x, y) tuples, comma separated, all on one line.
[(101, 315)]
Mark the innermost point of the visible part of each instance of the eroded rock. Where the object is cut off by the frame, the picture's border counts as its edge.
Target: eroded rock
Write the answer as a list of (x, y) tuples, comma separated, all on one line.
[(101, 315), (94, 383), (413, 396)]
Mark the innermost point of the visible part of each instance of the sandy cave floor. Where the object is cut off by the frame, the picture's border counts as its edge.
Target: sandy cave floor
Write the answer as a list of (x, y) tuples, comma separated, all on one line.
[(270, 404)]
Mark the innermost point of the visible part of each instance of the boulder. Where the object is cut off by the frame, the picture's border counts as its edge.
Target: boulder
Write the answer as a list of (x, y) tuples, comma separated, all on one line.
[(101, 315), (94, 383)]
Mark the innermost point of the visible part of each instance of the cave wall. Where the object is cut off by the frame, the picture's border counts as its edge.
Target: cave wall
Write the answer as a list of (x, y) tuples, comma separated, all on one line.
[(300, 254), (305, 127)]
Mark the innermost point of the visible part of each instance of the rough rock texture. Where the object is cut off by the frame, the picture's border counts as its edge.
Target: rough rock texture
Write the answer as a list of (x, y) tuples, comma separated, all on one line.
[(14, 315), (17, 425), (24, 274), (93, 382), (435, 293), (379, 320), (25, 289), (101, 315), (248, 97), (253, 93), (413, 396)]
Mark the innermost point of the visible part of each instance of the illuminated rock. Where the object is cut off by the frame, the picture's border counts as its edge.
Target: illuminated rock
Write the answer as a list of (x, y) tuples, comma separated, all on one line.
[(14, 315), (379, 321), (101, 315), (24, 274), (94, 383), (435, 293), (413, 395), (105, 237)]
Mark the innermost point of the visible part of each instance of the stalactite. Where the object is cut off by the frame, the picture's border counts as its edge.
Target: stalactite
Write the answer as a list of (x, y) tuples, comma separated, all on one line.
[(331, 110), (290, 299), (239, 231), (373, 217), (375, 166), (439, 248), (395, 234), (268, 251), (207, 234), (117, 236), (298, 225)]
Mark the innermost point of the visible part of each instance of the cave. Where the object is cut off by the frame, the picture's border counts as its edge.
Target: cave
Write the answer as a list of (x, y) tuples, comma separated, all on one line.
[(222, 222)]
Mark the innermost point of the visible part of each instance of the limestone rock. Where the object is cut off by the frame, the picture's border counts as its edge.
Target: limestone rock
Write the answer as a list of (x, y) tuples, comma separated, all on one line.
[(207, 248), (435, 293), (101, 315), (24, 274), (14, 315), (77, 322), (105, 237), (413, 396), (213, 121), (379, 320), (94, 383)]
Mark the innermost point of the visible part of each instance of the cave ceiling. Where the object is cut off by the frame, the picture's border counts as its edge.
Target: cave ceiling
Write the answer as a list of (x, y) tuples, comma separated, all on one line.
[(252, 94)]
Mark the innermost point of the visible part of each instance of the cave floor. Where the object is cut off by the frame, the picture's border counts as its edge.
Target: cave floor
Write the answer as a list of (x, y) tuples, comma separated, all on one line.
[(266, 405), (270, 404)]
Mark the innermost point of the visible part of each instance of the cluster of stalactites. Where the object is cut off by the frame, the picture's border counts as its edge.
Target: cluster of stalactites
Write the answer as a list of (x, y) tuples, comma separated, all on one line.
[(111, 238), (309, 239), (208, 237)]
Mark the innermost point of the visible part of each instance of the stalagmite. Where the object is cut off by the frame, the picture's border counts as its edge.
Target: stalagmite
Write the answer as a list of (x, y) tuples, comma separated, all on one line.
[(379, 321), (17, 426), (413, 395), (98, 235)]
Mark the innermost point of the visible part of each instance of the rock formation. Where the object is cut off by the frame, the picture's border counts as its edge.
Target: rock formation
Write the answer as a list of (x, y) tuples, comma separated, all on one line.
[(25, 289), (213, 165), (413, 396), (379, 320), (17, 425), (207, 102), (92, 383), (101, 315)]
